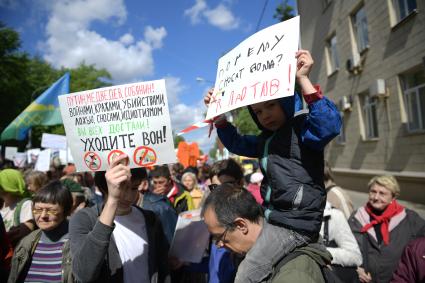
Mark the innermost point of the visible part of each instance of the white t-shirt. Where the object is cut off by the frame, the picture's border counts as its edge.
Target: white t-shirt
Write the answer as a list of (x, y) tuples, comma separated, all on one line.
[(132, 243), (7, 213)]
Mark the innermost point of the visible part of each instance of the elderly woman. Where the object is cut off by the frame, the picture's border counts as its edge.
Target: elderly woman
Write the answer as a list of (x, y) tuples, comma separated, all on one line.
[(16, 210), (190, 182), (43, 255), (382, 229)]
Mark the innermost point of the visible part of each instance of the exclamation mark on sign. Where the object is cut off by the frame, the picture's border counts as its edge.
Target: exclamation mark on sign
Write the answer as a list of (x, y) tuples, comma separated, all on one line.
[(153, 87), (164, 131), (289, 77)]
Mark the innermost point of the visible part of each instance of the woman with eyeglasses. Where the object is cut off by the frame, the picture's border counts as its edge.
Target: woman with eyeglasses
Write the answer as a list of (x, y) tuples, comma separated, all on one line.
[(43, 255)]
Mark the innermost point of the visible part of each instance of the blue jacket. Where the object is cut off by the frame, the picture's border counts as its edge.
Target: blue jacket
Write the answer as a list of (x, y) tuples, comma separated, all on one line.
[(161, 206), (291, 159)]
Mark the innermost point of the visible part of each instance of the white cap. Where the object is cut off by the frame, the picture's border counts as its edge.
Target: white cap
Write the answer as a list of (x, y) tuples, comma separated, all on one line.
[(256, 177)]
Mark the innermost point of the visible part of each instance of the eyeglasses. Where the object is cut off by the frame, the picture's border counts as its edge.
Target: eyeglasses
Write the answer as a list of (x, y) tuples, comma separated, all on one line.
[(50, 212), (220, 238)]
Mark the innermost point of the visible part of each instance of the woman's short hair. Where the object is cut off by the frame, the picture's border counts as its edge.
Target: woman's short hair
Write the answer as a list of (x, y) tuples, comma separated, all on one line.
[(386, 181), (193, 177), (55, 193)]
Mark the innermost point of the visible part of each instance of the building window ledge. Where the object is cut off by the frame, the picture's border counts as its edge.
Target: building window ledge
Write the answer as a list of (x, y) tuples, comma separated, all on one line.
[(405, 19)]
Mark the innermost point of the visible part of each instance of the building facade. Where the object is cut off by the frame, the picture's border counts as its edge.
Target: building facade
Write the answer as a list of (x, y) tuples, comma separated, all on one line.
[(370, 60)]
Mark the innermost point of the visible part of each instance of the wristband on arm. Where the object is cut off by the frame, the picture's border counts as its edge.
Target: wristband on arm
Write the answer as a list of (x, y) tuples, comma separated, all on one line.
[(312, 97)]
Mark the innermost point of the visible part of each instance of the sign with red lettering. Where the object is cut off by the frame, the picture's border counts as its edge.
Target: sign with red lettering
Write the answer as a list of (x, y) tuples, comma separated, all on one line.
[(260, 68), (107, 122)]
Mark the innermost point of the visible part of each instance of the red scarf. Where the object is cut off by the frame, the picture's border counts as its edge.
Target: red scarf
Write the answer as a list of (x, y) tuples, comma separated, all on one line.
[(392, 210)]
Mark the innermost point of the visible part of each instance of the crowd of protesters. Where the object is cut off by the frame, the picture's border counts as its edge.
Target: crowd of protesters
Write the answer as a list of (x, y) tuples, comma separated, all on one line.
[(84, 227), (289, 223)]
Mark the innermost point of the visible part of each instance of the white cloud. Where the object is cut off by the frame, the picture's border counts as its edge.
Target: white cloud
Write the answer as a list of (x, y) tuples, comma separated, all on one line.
[(70, 40), (195, 11), (127, 39), (221, 16)]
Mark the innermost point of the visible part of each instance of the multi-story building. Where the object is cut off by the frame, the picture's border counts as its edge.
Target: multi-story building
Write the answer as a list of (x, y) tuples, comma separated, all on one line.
[(370, 59)]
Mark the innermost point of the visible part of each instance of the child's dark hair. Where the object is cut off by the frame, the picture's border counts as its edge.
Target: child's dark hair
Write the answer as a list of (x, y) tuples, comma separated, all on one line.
[(227, 167), (55, 193), (160, 171), (139, 173)]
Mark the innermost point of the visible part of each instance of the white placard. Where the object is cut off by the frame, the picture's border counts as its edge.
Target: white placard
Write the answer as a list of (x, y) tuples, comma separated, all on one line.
[(10, 152), (191, 237), (260, 68), (20, 159), (43, 160), (103, 123), (65, 156), (53, 141), (32, 155)]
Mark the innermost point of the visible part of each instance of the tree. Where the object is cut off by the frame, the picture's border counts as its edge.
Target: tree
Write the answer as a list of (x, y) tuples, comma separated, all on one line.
[(244, 122), (177, 140), (284, 11), (15, 89)]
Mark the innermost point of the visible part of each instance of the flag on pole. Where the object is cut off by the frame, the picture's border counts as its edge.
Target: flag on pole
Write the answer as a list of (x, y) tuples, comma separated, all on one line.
[(42, 111)]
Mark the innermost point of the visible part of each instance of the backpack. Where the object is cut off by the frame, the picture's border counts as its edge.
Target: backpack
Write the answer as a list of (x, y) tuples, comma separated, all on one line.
[(346, 273), (327, 273), (17, 212)]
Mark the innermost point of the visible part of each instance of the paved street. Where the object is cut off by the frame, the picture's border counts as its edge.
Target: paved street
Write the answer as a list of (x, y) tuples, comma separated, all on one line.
[(359, 199)]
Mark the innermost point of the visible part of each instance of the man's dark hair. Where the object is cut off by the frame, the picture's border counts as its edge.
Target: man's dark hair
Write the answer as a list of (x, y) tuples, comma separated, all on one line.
[(100, 182), (160, 171), (230, 201), (139, 174), (55, 193), (227, 167)]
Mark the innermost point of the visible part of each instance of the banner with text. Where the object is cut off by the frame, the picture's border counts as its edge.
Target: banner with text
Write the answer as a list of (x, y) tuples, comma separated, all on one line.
[(104, 123), (260, 68)]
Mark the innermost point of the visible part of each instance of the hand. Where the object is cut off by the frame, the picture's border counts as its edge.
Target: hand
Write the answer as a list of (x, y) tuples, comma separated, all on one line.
[(117, 176), (208, 96), (304, 63), (363, 276)]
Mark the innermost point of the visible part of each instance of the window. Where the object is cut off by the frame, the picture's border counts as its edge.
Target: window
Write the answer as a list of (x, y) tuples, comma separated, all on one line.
[(414, 97), (359, 22), (332, 55), (340, 139), (403, 8), (369, 117)]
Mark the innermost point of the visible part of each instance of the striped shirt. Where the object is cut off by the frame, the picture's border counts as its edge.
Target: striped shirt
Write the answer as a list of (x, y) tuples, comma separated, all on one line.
[(46, 264)]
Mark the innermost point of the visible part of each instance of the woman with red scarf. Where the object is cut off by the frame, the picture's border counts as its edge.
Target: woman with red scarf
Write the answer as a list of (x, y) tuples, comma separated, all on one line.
[(382, 229)]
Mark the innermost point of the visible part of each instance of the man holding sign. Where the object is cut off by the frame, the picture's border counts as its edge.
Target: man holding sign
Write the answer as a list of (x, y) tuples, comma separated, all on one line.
[(290, 149)]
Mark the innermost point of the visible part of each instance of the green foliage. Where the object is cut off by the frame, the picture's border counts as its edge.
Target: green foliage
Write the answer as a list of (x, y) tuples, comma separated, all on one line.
[(87, 77), (284, 11), (245, 124), (23, 79), (213, 152), (177, 140)]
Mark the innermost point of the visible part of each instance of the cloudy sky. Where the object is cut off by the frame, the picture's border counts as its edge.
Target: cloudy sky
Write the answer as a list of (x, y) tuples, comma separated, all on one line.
[(139, 40)]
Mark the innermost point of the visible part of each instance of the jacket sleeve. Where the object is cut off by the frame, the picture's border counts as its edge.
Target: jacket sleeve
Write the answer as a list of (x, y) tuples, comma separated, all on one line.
[(245, 145), (348, 252), (89, 245), (322, 124), (409, 264)]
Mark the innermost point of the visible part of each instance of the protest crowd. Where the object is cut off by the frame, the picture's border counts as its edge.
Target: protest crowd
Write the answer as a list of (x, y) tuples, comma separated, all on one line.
[(284, 221)]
